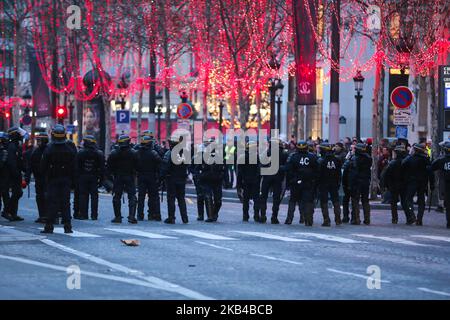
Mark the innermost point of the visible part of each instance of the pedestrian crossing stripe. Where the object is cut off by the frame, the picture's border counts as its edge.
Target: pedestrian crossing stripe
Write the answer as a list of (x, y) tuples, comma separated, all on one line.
[(75, 234), (391, 239), (329, 237), (203, 235), (140, 233), (437, 238), (271, 236)]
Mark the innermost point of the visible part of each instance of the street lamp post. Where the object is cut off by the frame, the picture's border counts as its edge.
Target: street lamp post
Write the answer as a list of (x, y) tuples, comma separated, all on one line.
[(273, 85), (359, 80), (279, 94), (158, 100), (221, 105), (71, 106)]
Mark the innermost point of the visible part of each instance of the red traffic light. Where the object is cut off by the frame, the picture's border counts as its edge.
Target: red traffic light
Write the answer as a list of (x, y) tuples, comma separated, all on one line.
[(61, 112), (7, 114)]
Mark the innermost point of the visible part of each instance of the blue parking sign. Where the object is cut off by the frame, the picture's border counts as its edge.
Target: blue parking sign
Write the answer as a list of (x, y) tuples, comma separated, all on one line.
[(122, 116), (401, 132)]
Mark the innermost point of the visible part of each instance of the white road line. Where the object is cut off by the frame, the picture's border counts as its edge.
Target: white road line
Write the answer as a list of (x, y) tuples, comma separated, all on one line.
[(329, 238), (203, 235), (390, 239), (75, 234), (213, 245), (140, 233), (276, 259), (271, 236), (86, 273), (154, 281), (441, 293), (354, 275), (438, 238)]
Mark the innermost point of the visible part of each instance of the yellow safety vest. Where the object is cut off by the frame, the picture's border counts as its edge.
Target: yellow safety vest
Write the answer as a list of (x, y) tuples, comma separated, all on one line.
[(229, 151)]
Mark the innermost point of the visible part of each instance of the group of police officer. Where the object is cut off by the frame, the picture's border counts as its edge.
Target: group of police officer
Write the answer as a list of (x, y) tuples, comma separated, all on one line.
[(58, 166)]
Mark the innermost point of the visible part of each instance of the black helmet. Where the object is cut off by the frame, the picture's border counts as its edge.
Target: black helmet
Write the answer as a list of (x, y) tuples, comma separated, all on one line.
[(361, 148), (446, 147), (4, 138), (124, 141), (400, 149), (326, 147), (145, 140), (59, 134), (420, 147), (89, 140), (41, 137), (148, 133), (302, 145), (14, 134), (311, 147)]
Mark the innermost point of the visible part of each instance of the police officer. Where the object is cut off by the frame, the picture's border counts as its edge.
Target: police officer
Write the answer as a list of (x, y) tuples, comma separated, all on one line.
[(15, 168), (273, 182), (417, 172), (204, 193), (302, 170), (90, 170), (122, 164), (359, 175), (57, 165), (329, 181), (34, 168), (394, 181), (213, 174), (148, 163), (4, 172), (346, 187), (248, 178), (443, 163), (175, 174)]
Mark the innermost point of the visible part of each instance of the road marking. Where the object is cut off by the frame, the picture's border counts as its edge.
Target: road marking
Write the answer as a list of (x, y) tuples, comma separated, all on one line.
[(276, 259), (140, 233), (271, 236), (329, 238), (86, 273), (203, 235), (154, 281), (438, 238), (75, 234), (213, 245), (435, 292), (354, 275), (390, 239)]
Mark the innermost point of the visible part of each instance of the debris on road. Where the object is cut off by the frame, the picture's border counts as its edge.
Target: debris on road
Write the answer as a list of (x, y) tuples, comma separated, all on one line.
[(131, 242)]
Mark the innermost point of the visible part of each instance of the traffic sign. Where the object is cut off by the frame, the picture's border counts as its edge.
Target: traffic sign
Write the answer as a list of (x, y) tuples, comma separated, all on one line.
[(401, 132), (402, 97), (123, 121), (184, 124), (26, 120), (402, 117), (184, 111)]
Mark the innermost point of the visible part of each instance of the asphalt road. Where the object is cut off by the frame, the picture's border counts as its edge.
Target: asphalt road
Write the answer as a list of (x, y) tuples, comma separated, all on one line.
[(227, 260)]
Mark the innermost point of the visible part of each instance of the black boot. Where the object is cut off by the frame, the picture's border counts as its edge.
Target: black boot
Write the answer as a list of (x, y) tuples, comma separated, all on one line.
[(170, 220), (68, 228), (263, 219), (48, 228), (140, 217), (419, 219), (132, 213), (366, 209), (290, 213), (337, 213), (117, 214), (345, 219), (274, 220), (326, 216), (245, 217), (256, 217)]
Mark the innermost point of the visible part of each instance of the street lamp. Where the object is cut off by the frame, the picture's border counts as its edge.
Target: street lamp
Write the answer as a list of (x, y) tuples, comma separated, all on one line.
[(359, 80), (71, 98), (122, 102), (221, 105), (158, 101), (274, 65), (279, 94)]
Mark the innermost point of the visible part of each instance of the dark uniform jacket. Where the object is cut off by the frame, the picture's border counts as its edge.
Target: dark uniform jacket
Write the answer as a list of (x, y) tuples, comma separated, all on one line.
[(329, 170), (302, 169), (58, 161), (90, 161), (148, 160), (122, 162), (416, 168)]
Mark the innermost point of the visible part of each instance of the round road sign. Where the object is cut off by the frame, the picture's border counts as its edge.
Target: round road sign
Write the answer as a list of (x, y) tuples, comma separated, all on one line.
[(402, 97), (184, 111)]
